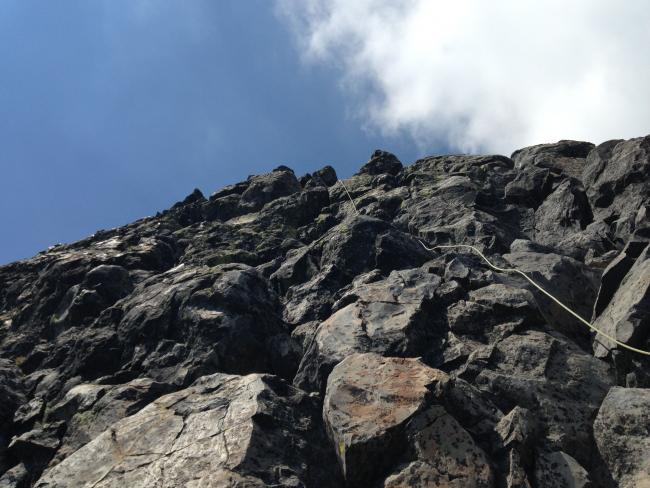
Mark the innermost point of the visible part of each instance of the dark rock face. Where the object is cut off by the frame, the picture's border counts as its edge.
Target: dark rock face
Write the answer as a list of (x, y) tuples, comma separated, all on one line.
[(567, 157), (270, 335), (617, 184), (381, 162), (393, 317), (626, 316)]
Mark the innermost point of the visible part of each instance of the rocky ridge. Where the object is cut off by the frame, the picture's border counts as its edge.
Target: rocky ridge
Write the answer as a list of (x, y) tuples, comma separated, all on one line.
[(271, 335)]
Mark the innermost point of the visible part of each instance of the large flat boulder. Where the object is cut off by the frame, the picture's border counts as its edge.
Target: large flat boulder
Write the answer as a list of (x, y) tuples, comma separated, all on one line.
[(222, 431)]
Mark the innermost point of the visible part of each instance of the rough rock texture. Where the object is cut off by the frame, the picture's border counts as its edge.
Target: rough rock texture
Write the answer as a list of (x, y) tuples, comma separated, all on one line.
[(627, 315), (622, 432), (253, 430), (381, 413), (271, 335)]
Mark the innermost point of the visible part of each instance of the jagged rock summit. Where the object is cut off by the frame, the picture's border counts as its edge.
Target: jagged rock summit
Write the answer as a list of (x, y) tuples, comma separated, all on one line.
[(271, 335)]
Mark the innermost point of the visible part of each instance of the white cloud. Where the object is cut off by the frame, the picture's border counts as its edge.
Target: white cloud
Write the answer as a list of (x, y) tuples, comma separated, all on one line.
[(486, 75)]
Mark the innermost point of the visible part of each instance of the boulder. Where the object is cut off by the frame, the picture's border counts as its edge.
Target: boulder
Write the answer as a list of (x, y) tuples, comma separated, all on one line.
[(617, 184), (567, 157), (327, 175), (494, 305), (626, 316), (250, 196), (223, 430), (530, 187), (265, 188), (558, 470), (36, 447), (393, 316), (381, 162), (378, 410), (16, 477), (518, 429), (622, 433), (614, 274), (189, 210), (296, 210)]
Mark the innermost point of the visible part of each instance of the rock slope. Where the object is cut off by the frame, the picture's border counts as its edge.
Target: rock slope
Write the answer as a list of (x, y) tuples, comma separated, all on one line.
[(273, 335)]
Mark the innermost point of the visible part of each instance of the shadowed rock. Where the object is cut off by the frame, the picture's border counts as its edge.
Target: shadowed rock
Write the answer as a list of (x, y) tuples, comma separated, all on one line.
[(567, 157), (627, 315), (381, 162)]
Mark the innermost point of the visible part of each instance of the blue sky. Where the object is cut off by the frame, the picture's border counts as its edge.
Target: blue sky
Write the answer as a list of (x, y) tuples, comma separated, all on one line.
[(114, 110)]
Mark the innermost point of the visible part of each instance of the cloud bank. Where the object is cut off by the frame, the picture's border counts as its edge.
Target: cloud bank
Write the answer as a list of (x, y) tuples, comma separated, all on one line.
[(478, 75)]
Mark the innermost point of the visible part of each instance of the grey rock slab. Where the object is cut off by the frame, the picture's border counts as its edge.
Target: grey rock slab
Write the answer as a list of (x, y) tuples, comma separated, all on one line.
[(627, 316), (224, 429), (569, 280), (90, 409)]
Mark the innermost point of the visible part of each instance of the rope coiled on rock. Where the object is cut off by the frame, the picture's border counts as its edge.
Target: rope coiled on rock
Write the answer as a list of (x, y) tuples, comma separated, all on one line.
[(521, 273)]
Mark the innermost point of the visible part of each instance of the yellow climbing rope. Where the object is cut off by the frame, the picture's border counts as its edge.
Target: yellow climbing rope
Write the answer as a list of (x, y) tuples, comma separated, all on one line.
[(514, 270)]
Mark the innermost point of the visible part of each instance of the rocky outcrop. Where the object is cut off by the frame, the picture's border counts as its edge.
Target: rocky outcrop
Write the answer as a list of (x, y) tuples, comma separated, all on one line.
[(616, 180), (566, 157), (278, 334)]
